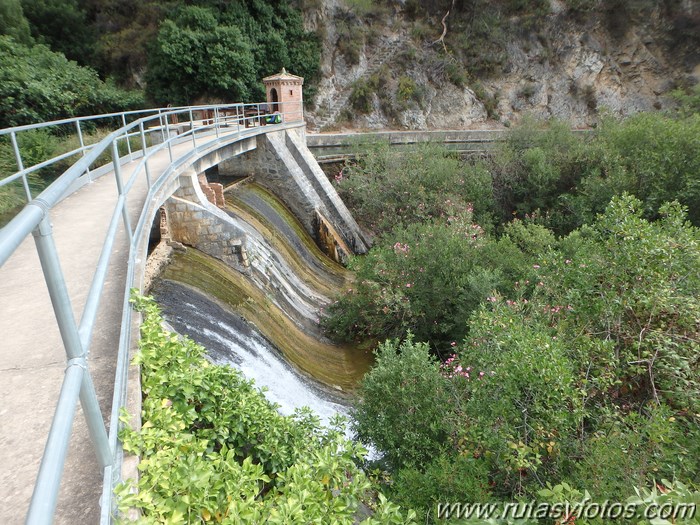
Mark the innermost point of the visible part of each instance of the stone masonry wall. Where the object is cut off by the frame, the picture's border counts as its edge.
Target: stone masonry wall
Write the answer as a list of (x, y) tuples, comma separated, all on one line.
[(282, 164), (194, 222)]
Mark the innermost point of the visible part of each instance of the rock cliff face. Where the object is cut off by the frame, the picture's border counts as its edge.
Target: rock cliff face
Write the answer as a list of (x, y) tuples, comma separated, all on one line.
[(376, 72)]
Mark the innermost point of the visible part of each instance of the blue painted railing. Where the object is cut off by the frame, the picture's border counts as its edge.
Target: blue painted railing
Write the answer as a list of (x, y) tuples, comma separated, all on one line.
[(154, 130)]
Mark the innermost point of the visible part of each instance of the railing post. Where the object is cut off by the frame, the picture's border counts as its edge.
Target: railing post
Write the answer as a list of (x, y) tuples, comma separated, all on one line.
[(45, 494), (194, 140), (167, 130), (77, 378), (126, 134), (120, 189), (217, 126), (82, 145), (145, 156), (20, 165)]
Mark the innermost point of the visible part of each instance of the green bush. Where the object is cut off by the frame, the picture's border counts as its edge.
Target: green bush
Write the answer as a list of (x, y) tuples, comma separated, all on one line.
[(634, 285), (211, 447), (520, 395), (392, 187), (400, 408), (362, 94), (429, 281), (408, 92), (38, 85), (586, 372), (351, 39), (445, 479)]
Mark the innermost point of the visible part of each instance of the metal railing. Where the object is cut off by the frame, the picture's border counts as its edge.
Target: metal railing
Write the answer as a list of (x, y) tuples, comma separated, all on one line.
[(152, 131)]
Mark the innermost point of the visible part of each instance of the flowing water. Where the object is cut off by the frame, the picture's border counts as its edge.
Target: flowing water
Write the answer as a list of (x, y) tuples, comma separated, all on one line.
[(230, 339), (257, 330)]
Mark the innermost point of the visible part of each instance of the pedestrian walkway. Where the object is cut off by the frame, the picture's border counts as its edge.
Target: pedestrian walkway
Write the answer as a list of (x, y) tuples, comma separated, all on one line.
[(33, 358)]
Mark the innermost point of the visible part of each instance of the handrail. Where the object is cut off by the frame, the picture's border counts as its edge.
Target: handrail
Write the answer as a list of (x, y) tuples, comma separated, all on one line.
[(35, 218)]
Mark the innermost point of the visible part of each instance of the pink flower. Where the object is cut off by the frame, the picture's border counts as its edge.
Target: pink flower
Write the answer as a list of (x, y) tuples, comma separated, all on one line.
[(453, 343), (536, 266), (408, 285)]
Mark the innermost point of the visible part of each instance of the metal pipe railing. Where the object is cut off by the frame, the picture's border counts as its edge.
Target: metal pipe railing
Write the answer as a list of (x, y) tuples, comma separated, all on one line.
[(35, 218)]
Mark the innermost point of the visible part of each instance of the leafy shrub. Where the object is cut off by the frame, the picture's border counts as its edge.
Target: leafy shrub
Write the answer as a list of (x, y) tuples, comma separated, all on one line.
[(521, 397), (351, 39), (38, 85), (634, 284), (586, 372), (13, 23), (212, 447), (408, 91), (362, 94), (401, 400), (429, 281), (631, 451), (392, 187), (445, 479)]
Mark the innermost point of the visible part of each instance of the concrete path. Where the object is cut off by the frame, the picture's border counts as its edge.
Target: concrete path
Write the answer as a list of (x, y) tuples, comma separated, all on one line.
[(33, 358)]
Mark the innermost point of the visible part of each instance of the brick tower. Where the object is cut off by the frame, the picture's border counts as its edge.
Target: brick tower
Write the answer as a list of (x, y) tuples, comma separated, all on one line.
[(284, 95)]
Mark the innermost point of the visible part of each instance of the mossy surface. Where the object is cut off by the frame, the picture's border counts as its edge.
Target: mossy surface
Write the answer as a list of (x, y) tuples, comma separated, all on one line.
[(313, 267), (336, 366)]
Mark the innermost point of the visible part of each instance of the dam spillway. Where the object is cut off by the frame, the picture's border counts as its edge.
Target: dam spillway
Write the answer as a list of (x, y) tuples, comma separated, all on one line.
[(270, 332)]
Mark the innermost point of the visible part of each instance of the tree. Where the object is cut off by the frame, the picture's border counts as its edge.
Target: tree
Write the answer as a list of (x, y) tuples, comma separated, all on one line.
[(63, 26), (13, 22), (401, 404), (195, 57), (211, 51), (37, 84)]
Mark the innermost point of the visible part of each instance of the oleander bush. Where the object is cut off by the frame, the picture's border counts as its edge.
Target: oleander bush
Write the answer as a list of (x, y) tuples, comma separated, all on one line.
[(584, 371)]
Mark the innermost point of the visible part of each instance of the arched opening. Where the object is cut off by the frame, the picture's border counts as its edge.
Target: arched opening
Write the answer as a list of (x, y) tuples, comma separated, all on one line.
[(274, 98)]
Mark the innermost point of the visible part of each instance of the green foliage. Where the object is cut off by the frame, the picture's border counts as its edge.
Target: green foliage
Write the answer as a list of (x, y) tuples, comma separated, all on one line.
[(445, 479), (206, 52), (39, 85), (587, 375), (13, 23), (688, 101), (63, 26), (631, 451), (634, 286), (393, 187), (194, 56), (351, 39), (673, 494), (408, 92), (362, 94), (563, 180), (401, 405), (522, 399), (428, 282), (212, 448)]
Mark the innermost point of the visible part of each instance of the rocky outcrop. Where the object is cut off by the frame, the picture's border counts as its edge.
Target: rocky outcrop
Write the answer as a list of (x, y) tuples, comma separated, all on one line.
[(571, 68)]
